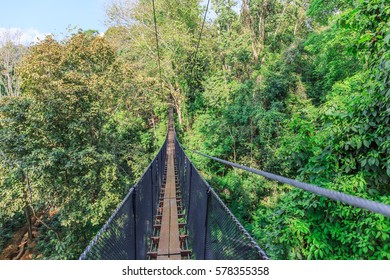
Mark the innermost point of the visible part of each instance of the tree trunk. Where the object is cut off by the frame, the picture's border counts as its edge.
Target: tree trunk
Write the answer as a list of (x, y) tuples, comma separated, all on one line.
[(27, 215), (244, 10), (27, 197), (296, 28), (262, 23), (281, 18), (179, 114), (28, 219), (153, 124), (175, 94), (249, 22)]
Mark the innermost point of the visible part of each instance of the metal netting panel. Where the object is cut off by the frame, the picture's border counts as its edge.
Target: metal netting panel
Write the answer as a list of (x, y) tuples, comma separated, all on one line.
[(117, 238), (181, 164), (213, 231), (155, 187), (196, 214), (187, 183), (144, 214), (161, 159), (184, 173), (228, 240)]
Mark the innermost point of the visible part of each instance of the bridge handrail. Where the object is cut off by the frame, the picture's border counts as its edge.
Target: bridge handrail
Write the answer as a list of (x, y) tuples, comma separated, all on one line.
[(352, 200), (223, 205)]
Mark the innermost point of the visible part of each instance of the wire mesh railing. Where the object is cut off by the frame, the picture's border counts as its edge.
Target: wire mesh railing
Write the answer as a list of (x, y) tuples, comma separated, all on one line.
[(213, 231)]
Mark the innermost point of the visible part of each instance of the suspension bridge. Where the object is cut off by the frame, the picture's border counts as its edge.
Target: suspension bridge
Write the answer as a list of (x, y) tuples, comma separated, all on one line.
[(172, 213)]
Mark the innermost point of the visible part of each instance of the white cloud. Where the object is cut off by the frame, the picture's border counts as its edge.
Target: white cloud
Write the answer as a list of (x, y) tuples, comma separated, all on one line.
[(21, 36)]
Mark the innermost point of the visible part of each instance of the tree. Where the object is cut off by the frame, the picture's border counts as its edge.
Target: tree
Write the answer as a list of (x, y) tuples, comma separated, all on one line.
[(70, 132), (11, 52)]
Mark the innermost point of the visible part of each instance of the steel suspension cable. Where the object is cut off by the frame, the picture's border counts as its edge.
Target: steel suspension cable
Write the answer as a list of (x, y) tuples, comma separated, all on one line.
[(200, 37), (157, 46), (352, 200)]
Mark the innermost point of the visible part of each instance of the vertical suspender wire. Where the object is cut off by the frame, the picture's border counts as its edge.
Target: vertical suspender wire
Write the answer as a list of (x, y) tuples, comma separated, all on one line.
[(200, 37), (157, 47), (193, 59), (158, 58)]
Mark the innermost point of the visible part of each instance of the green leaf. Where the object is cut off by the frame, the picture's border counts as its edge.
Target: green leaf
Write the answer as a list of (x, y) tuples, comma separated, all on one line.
[(387, 39), (365, 38), (358, 143)]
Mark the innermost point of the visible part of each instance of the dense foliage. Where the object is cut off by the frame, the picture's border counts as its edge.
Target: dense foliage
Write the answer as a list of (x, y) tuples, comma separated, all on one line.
[(299, 88), (305, 95), (73, 143)]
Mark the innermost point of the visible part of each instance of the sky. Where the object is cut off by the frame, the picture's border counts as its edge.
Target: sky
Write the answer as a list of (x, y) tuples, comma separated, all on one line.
[(35, 18)]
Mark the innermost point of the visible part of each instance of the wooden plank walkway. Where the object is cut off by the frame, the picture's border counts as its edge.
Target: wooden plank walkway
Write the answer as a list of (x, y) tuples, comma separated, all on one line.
[(169, 241)]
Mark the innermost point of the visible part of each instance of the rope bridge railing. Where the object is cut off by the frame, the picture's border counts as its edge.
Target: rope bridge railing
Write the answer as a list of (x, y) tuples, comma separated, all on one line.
[(126, 233), (213, 231)]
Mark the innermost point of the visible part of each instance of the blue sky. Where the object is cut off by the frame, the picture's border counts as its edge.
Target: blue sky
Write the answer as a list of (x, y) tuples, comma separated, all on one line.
[(34, 18)]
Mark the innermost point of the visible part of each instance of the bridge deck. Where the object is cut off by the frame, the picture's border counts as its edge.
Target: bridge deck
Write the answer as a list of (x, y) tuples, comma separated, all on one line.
[(169, 243)]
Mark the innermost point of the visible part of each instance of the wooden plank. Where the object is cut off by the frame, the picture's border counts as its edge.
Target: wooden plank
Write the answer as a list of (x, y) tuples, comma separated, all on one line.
[(169, 243)]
